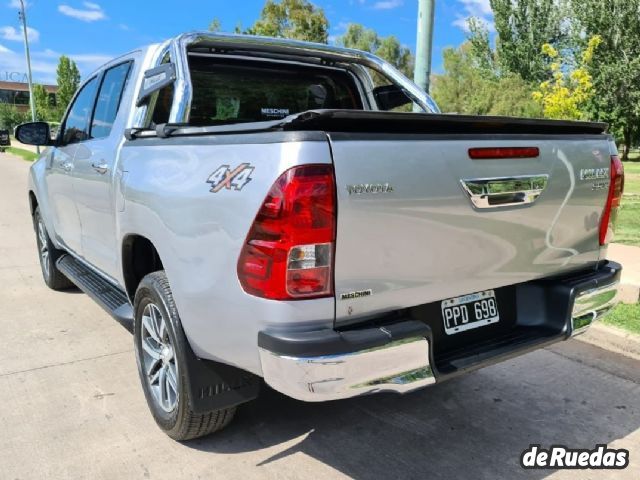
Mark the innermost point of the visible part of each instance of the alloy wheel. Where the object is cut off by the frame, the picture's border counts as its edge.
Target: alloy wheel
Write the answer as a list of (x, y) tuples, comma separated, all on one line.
[(158, 358), (43, 246)]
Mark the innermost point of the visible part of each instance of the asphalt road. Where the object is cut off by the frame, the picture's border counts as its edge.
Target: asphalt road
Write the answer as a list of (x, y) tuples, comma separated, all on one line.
[(72, 407)]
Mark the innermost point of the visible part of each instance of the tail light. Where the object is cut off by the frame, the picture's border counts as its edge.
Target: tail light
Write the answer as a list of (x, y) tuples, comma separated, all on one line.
[(610, 214), (288, 253)]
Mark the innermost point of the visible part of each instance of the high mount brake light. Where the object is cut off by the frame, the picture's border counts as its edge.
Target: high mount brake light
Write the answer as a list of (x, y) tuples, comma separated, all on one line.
[(491, 153), (288, 253), (610, 213)]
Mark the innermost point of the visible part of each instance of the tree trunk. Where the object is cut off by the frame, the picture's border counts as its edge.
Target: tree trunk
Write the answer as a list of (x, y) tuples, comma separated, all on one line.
[(627, 143)]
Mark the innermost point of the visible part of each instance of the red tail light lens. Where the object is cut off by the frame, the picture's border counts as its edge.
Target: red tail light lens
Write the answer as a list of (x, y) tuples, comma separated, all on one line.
[(610, 214), (288, 253)]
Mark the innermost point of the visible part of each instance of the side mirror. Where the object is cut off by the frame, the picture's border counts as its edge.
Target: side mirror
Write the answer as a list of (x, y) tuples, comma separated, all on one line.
[(33, 133), (389, 97)]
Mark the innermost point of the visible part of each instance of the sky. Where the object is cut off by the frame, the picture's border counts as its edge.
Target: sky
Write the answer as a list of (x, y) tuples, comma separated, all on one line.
[(93, 32)]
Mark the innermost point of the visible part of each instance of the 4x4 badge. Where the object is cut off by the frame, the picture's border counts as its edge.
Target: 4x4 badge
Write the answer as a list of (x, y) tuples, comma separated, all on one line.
[(229, 179)]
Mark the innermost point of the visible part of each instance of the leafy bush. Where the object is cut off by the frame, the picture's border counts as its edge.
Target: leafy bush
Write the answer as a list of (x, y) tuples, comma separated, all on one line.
[(10, 116)]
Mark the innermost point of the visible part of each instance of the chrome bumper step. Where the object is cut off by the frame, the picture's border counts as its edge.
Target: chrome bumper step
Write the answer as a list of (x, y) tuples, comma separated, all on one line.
[(107, 295)]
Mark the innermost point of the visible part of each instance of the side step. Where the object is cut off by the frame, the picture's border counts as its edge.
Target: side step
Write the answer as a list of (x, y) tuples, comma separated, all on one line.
[(108, 296)]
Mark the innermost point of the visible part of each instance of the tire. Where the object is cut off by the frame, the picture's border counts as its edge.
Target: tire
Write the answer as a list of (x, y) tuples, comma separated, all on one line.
[(164, 363), (49, 255)]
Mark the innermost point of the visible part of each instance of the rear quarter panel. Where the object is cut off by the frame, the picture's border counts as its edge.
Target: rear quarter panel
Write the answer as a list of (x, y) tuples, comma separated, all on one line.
[(199, 234)]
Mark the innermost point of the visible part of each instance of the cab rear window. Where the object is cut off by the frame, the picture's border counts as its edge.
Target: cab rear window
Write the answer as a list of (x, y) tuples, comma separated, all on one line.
[(236, 92)]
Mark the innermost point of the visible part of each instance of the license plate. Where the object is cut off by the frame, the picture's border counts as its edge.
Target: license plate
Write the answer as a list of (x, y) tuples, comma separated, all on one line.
[(469, 311)]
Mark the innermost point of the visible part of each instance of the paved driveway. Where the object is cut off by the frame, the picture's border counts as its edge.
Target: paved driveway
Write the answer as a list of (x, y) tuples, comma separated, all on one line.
[(71, 405)]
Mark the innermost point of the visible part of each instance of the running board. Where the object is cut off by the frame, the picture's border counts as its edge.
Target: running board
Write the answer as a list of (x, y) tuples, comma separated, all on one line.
[(107, 295)]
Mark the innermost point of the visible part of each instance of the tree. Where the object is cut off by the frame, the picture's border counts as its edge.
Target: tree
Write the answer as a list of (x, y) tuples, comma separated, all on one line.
[(10, 116), (296, 19), (389, 48), (467, 87), (480, 46), (68, 82), (393, 52), (215, 26), (616, 63), (567, 94), (522, 27), (360, 38), (44, 107)]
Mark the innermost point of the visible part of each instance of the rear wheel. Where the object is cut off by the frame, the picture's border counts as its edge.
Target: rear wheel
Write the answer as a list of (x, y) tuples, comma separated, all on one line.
[(160, 347), (49, 255)]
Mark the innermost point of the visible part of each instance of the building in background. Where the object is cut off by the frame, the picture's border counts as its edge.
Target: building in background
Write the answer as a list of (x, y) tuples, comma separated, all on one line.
[(17, 92)]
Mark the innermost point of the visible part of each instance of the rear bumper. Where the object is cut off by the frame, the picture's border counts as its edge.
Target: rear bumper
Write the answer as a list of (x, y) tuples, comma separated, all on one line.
[(592, 304), (329, 365), (397, 357)]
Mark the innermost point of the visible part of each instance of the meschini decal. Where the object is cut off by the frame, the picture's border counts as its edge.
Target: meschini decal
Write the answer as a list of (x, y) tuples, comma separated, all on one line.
[(229, 179), (358, 294), (562, 457)]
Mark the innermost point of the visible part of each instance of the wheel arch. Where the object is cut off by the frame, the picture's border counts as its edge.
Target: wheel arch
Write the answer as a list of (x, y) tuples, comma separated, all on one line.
[(33, 202), (139, 258)]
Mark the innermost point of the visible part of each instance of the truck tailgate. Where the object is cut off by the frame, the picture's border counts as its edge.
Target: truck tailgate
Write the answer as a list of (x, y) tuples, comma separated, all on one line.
[(409, 232)]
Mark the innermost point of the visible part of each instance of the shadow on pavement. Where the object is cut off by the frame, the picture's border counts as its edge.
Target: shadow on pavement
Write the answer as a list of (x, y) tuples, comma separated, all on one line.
[(470, 427)]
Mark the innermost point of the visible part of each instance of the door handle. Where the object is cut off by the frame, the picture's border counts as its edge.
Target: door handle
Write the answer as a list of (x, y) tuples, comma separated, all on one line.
[(504, 191), (67, 166), (101, 168)]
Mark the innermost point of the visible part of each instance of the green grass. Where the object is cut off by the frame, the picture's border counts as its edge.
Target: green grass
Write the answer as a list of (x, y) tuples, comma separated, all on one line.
[(628, 225), (25, 154), (626, 317)]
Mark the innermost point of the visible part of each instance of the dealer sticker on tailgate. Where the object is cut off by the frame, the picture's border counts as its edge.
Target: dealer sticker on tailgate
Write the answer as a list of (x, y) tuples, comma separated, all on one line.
[(469, 311)]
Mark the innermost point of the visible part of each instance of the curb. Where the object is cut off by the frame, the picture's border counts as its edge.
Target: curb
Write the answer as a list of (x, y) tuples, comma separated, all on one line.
[(629, 293), (612, 339)]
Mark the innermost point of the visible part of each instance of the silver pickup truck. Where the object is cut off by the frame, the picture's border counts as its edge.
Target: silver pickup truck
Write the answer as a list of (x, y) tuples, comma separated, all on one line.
[(254, 208)]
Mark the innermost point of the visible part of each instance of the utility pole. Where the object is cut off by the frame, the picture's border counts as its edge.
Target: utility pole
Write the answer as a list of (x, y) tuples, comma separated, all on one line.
[(424, 43), (23, 17)]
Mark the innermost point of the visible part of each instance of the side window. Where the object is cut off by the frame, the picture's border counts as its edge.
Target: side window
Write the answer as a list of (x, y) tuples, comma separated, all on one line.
[(113, 84), (163, 104), (76, 127)]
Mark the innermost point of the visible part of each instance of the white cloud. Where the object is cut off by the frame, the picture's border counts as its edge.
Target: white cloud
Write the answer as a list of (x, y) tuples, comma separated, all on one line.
[(44, 69), (91, 13), (387, 4), (480, 9), (15, 35), (45, 62), (90, 60)]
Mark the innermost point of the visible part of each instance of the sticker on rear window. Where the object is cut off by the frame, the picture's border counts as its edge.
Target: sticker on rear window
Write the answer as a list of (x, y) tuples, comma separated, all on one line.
[(275, 112)]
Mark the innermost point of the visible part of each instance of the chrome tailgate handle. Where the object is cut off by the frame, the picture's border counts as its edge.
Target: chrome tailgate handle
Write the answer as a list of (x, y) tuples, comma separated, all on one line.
[(504, 191)]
